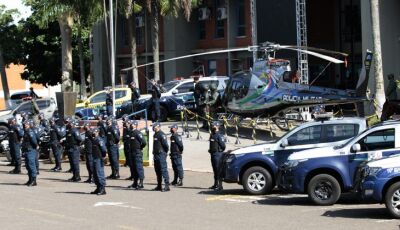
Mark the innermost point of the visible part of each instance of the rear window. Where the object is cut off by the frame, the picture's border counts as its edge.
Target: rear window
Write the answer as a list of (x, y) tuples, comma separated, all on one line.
[(19, 96), (120, 94), (339, 132), (306, 136), (43, 104)]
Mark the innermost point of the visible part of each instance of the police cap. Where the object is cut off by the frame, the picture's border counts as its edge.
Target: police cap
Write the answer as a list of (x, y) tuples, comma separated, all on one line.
[(174, 126), (216, 124), (157, 124)]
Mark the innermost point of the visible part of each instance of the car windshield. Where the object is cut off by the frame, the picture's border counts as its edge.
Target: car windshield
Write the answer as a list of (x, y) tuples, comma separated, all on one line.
[(169, 85)]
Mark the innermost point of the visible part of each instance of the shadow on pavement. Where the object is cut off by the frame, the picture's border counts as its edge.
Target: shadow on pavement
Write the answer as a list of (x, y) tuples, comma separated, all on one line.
[(55, 179), (76, 193), (359, 213), (12, 184), (223, 192)]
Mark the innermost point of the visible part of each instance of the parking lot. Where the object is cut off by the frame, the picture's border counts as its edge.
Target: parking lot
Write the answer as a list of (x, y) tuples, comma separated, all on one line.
[(58, 204)]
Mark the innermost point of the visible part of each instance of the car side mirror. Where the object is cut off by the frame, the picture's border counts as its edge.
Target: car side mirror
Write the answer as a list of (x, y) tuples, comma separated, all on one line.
[(356, 147), (284, 143), (175, 91)]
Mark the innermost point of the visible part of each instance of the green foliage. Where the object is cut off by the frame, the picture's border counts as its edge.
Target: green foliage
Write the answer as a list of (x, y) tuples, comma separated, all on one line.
[(10, 39)]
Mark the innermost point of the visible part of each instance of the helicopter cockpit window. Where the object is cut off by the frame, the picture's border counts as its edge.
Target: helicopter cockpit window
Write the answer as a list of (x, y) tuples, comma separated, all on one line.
[(238, 86)]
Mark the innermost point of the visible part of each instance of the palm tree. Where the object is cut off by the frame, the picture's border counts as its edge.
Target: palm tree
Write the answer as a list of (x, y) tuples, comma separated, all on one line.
[(165, 8), (129, 8), (376, 35)]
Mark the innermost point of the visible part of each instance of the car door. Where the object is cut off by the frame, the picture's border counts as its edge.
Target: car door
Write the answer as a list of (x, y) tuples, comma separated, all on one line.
[(98, 100), (374, 145), (185, 95), (308, 137)]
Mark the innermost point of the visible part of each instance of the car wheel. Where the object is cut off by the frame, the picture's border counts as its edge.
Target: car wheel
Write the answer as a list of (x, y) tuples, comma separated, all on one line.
[(324, 189), (257, 181), (392, 200)]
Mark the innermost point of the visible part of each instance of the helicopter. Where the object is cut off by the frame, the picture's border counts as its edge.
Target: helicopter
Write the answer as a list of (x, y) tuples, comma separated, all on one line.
[(268, 90)]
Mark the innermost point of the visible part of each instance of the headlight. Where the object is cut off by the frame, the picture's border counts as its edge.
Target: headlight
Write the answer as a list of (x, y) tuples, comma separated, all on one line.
[(293, 163), (372, 171)]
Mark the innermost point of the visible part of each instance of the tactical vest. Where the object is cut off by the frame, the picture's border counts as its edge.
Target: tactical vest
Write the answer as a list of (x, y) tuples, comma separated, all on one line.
[(174, 145), (157, 147), (214, 146), (88, 142), (134, 141), (13, 135), (110, 136), (27, 142), (96, 151), (53, 134), (70, 139)]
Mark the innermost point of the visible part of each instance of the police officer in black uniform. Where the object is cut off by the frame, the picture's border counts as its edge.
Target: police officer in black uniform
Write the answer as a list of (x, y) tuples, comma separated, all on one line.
[(72, 142), (135, 96), (15, 135), (200, 99), (109, 103), (99, 151), (101, 124), (137, 143), (217, 146), (155, 100), (88, 151), (125, 139), (160, 149), (56, 134), (176, 156), (113, 137), (43, 123), (29, 145)]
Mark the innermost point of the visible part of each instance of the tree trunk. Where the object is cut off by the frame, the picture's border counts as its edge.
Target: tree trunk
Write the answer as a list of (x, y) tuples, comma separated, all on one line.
[(376, 35), (4, 81), (66, 21), (154, 35), (131, 19), (81, 63)]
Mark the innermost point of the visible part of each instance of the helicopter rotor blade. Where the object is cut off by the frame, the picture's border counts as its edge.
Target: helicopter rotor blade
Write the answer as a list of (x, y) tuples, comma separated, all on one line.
[(318, 50), (192, 55), (318, 55)]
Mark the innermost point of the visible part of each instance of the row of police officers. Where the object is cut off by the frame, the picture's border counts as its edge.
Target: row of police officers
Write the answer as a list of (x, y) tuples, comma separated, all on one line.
[(102, 140)]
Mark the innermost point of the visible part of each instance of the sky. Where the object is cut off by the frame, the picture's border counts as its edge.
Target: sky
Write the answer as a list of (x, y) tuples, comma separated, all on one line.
[(17, 4)]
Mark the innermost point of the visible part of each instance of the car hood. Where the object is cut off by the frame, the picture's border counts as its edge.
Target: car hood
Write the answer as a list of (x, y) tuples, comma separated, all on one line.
[(389, 162), (314, 153), (5, 112), (255, 148)]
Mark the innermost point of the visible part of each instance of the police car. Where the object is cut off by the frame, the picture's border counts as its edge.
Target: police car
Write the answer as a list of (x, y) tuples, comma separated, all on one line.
[(256, 167), (324, 173), (176, 96), (381, 183)]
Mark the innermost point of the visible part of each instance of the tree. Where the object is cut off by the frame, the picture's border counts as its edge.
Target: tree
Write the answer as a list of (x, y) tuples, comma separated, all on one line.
[(165, 8), (129, 8), (376, 35), (9, 45)]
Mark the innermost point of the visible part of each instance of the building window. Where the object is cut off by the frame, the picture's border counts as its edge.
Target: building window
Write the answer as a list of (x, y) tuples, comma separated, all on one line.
[(212, 68), (139, 21), (124, 32), (139, 36), (219, 24), (202, 30), (241, 21)]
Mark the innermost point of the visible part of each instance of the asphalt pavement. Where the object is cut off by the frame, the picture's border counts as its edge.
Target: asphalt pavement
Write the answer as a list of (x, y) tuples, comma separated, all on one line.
[(58, 204)]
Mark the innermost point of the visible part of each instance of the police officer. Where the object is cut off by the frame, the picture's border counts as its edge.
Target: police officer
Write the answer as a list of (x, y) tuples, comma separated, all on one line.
[(15, 135), (155, 100), (135, 96), (39, 131), (101, 125), (200, 98), (29, 145), (217, 146), (176, 156), (112, 139), (109, 103), (137, 143), (72, 142), (56, 134), (44, 123), (125, 138), (160, 149), (88, 151), (99, 151)]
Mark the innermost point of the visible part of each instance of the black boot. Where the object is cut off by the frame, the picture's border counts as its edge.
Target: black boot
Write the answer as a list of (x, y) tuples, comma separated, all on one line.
[(77, 177), (15, 171), (33, 182), (219, 186), (102, 191), (112, 176), (157, 188), (140, 185), (89, 180), (166, 188), (180, 182), (174, 182), (134, 185), (117, 174), (214, 186), (29, 181), (95, 191)]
